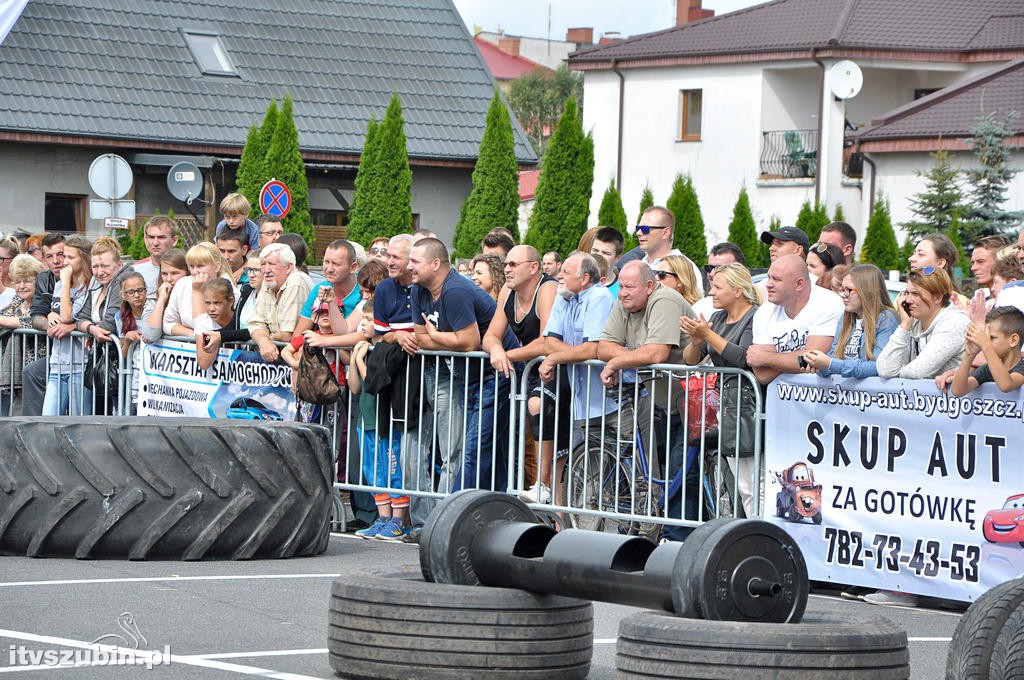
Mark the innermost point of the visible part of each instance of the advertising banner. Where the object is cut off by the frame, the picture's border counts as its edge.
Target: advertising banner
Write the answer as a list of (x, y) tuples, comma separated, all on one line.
[(893, 484), (172, 384)]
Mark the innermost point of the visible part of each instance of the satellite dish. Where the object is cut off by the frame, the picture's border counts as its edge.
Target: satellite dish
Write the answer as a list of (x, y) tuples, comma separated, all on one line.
[(185, 182), (845, 79)]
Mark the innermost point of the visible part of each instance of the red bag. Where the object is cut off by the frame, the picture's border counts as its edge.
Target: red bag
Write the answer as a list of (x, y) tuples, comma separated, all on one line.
[(700, 408)]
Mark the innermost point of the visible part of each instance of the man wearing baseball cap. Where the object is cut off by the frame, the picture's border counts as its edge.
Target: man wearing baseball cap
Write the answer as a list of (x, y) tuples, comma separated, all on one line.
[(786, 241)]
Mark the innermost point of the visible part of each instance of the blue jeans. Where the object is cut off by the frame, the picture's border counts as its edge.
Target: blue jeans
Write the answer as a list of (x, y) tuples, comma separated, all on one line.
[(487, 427), (444, 393), (66, 395)]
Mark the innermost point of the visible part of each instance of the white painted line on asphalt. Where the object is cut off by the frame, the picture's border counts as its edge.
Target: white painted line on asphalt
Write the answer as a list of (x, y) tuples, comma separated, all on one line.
[(605, 641), (157, 579), (186, 660), (276, 652), (929, 639)]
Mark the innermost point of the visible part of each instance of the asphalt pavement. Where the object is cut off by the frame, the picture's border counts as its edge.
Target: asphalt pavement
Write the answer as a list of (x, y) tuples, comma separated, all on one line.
[(268, 618)]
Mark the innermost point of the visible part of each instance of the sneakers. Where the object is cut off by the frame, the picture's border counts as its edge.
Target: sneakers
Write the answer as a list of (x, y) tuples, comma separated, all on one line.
[(891, 598), (372, 530), (538, 493), (391, 530), (412, 535)]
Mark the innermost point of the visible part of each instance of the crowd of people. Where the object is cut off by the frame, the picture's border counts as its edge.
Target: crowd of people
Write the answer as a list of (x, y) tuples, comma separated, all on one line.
[(388, 308)]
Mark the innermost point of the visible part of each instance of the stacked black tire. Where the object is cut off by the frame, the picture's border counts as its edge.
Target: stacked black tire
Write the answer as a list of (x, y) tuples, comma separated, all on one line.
[(398, 626), (163, 488), (659, 645), (988, 643)]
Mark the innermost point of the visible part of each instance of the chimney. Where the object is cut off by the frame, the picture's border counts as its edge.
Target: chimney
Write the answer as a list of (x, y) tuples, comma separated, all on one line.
[(688, 11), (580, 36), (509, 46), (610, 37)]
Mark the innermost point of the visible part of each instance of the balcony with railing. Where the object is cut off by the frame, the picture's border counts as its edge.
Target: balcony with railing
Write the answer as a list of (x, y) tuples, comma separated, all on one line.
[(789, 154)]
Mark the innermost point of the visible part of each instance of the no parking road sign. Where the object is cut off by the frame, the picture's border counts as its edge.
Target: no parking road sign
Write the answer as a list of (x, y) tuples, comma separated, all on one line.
[(275, 198)]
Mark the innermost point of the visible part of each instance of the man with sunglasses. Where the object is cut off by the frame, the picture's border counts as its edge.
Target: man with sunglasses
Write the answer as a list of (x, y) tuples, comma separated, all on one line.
[(655, 233)]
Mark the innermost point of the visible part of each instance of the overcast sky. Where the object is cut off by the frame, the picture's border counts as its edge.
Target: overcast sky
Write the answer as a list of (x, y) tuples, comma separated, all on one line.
[(530, 17)]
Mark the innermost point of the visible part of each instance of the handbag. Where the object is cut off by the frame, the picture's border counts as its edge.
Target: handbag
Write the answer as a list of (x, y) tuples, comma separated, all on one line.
[(100, 375), (737, 418), (315, 382), (702, 404)]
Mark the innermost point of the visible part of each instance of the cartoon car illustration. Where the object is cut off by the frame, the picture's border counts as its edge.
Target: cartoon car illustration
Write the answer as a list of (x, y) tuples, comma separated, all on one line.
[(799, 496), (1006, 525), (245, 408)]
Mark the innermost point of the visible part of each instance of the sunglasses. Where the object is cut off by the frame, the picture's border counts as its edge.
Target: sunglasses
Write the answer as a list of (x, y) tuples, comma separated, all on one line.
[(646, 228), (378, 251), (661, 275), (269, 232), (845, 292), (512, 264), (32, 249), (927, 271)]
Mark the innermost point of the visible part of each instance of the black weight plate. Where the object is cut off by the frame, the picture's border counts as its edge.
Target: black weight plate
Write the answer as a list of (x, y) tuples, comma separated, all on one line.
[(444, 556), (682, 601), (732, 557)]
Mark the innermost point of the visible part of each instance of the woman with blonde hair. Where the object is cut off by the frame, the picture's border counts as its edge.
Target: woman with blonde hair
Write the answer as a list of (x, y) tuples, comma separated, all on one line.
[(184, 302), (863, 330), (726, 338), (97, 317), (676, 272), (65, 389), (488, 272), (20, 350), (930, 337)]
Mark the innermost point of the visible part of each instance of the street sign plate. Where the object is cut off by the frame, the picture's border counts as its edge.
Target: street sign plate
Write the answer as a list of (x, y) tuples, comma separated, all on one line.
[(115, 223), (101, 210), (275, 198), (110, 176)]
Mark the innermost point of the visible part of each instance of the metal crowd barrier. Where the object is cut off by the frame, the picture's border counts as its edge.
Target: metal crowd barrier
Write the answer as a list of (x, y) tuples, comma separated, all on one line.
[(87, 378), (450, 421)]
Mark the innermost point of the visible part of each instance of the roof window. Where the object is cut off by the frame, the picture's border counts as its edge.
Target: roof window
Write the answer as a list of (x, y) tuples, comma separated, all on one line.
[(209, 53)]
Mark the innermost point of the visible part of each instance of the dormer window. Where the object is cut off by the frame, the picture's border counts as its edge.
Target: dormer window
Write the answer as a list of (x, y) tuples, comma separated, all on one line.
[(209, 53)]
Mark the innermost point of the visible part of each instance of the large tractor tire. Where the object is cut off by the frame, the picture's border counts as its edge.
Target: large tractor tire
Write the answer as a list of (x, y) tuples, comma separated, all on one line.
[(163, 488)]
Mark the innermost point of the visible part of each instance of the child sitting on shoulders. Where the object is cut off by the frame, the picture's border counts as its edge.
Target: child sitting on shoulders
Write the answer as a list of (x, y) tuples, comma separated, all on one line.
[(999, 342)]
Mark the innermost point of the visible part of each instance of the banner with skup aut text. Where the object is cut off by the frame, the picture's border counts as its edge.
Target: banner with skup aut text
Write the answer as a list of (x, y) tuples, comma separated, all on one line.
[(171, 383), (892, 484)]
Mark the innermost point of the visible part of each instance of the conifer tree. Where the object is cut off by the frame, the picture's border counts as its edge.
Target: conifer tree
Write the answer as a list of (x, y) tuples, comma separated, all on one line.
[(989, 183), (360, 222), (382, 204), (646, 201), (934, 207), (284, 163), (562, 203), (838, 216), (252, 167), (494, 200), (743, 232), (880, 247), (821, 218), (611, 213), (689, 234)]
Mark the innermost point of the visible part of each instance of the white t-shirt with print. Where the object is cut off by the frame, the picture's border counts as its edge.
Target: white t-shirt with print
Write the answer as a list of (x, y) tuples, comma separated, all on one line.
[(818, 317)]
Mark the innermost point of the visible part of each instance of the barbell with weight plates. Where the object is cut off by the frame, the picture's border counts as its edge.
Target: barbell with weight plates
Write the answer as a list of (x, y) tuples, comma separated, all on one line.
[(728, 569)]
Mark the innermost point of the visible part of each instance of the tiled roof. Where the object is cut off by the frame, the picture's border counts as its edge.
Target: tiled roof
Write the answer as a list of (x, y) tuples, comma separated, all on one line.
[(787, 25), (505, 66), (953, 111), (120, 69)]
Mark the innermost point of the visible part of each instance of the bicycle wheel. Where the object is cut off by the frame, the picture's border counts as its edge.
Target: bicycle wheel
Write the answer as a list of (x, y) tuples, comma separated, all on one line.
[(607, 489)]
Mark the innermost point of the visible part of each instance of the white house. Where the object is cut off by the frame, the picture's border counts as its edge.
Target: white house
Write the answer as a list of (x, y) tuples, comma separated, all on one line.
[(747, 98)]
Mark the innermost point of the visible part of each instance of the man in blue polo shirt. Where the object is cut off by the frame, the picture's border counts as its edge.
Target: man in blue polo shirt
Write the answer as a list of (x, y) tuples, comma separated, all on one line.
[(570, 337), (451, 314)]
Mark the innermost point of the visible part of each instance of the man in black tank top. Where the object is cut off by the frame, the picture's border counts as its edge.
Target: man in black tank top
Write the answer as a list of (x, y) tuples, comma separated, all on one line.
[(523, 305)]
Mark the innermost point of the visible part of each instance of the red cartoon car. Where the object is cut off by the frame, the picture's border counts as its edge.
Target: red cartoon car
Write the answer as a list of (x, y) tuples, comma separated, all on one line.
[(799, 496), (1006, 525)]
